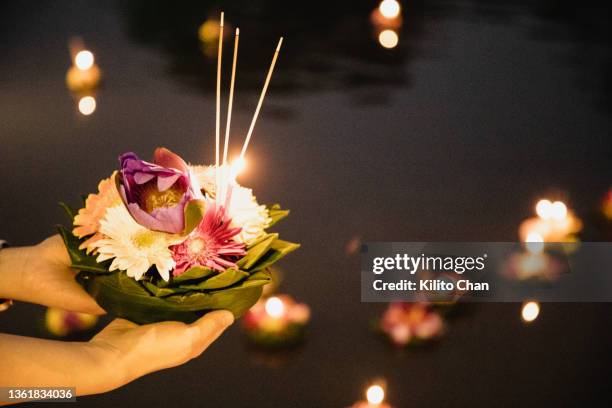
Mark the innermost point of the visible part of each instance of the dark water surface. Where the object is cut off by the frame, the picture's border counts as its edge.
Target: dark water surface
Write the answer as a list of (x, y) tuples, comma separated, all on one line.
[(453, 135)]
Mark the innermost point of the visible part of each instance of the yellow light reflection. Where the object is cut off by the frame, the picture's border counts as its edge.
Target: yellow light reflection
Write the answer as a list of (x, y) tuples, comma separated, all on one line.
[(389, 8), (534, 243), (388, 39), (530, 311), (87, 105)]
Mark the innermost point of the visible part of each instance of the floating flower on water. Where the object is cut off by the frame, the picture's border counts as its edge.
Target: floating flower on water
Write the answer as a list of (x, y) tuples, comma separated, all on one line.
[(210, 244), (405, 323), (134, 248), (87, 221), (61, 322), (554, 223), (529, 265), (244, 210), (156, 193), (276, 321)]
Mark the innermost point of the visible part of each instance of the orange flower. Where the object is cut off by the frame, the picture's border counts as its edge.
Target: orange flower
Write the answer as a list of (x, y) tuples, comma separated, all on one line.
[(87, 221)]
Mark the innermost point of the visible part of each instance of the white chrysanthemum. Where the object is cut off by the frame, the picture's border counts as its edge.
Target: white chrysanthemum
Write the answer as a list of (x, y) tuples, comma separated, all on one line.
[(246, 213), (134, 248), (244, 210)]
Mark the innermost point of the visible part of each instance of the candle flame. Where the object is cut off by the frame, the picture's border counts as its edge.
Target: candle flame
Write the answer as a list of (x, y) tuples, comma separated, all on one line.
[(84, 60), (375, 394), (275, 307), (530, 311), (558, 210), (389, 8)]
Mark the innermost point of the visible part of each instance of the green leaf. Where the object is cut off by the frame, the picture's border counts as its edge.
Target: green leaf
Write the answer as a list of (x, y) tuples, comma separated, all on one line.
[(222, 280), (257, 251), (258, 278), (122, 296), (193, 273), (162, 291), (79, 258), (194, 212), (276, 214), (71, 212), (279, 249)]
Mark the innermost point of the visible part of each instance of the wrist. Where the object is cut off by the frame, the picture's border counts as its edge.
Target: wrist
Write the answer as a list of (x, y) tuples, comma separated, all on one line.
[(108, 368), (13, 263)]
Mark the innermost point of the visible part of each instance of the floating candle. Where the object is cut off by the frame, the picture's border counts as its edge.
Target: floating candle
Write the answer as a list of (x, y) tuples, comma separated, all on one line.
[(375, 398), (554, 223), (84, 74), (530, 311), (276, 322), (389, 8)]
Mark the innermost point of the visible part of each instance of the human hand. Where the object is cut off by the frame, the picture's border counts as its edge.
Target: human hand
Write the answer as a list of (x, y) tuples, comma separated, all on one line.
[(120, 353), (131, 351), (41, 274)]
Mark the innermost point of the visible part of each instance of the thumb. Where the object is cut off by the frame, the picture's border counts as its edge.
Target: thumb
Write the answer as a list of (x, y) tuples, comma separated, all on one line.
[(207, 329)]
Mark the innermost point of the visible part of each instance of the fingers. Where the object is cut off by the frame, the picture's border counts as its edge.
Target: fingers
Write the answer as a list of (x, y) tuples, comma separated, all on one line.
[(208, 328)]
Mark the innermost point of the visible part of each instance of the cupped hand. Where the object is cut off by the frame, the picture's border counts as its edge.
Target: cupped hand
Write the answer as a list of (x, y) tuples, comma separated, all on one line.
[(130, 351), (46, 278)]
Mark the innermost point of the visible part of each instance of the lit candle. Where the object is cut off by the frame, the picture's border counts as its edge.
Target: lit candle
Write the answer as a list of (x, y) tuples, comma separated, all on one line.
[(375, 398), (387, 15), (276, 322), (389, 8), (530, 311), (275, 307), (554, 223), (84, 74)]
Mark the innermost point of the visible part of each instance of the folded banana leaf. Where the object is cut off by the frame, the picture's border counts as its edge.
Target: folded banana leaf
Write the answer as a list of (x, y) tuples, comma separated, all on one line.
[(186, 297)]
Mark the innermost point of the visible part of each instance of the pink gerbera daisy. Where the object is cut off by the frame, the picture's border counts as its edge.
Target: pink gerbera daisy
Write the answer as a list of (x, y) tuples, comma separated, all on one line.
[(210, 244)]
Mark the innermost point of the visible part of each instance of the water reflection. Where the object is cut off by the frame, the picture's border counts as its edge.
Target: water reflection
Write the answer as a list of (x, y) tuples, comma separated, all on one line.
[(332, 47), (328, 46)]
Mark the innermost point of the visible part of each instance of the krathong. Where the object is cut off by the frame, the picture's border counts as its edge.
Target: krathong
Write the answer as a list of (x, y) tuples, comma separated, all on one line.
[(406, 323), (166, 240), (276, 322)]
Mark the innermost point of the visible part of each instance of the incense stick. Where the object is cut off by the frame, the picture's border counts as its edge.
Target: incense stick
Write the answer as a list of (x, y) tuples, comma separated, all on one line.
[(261, 98), (218, 107), (231, 97)]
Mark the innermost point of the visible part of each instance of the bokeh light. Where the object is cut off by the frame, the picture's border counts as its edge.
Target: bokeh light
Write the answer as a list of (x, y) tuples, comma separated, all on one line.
[(84, 60), (275, 307), (558, 210), (534, 243), (389, 8), (388, 39), (375, 394), (530, 311), (87, 105), (544, 209)]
